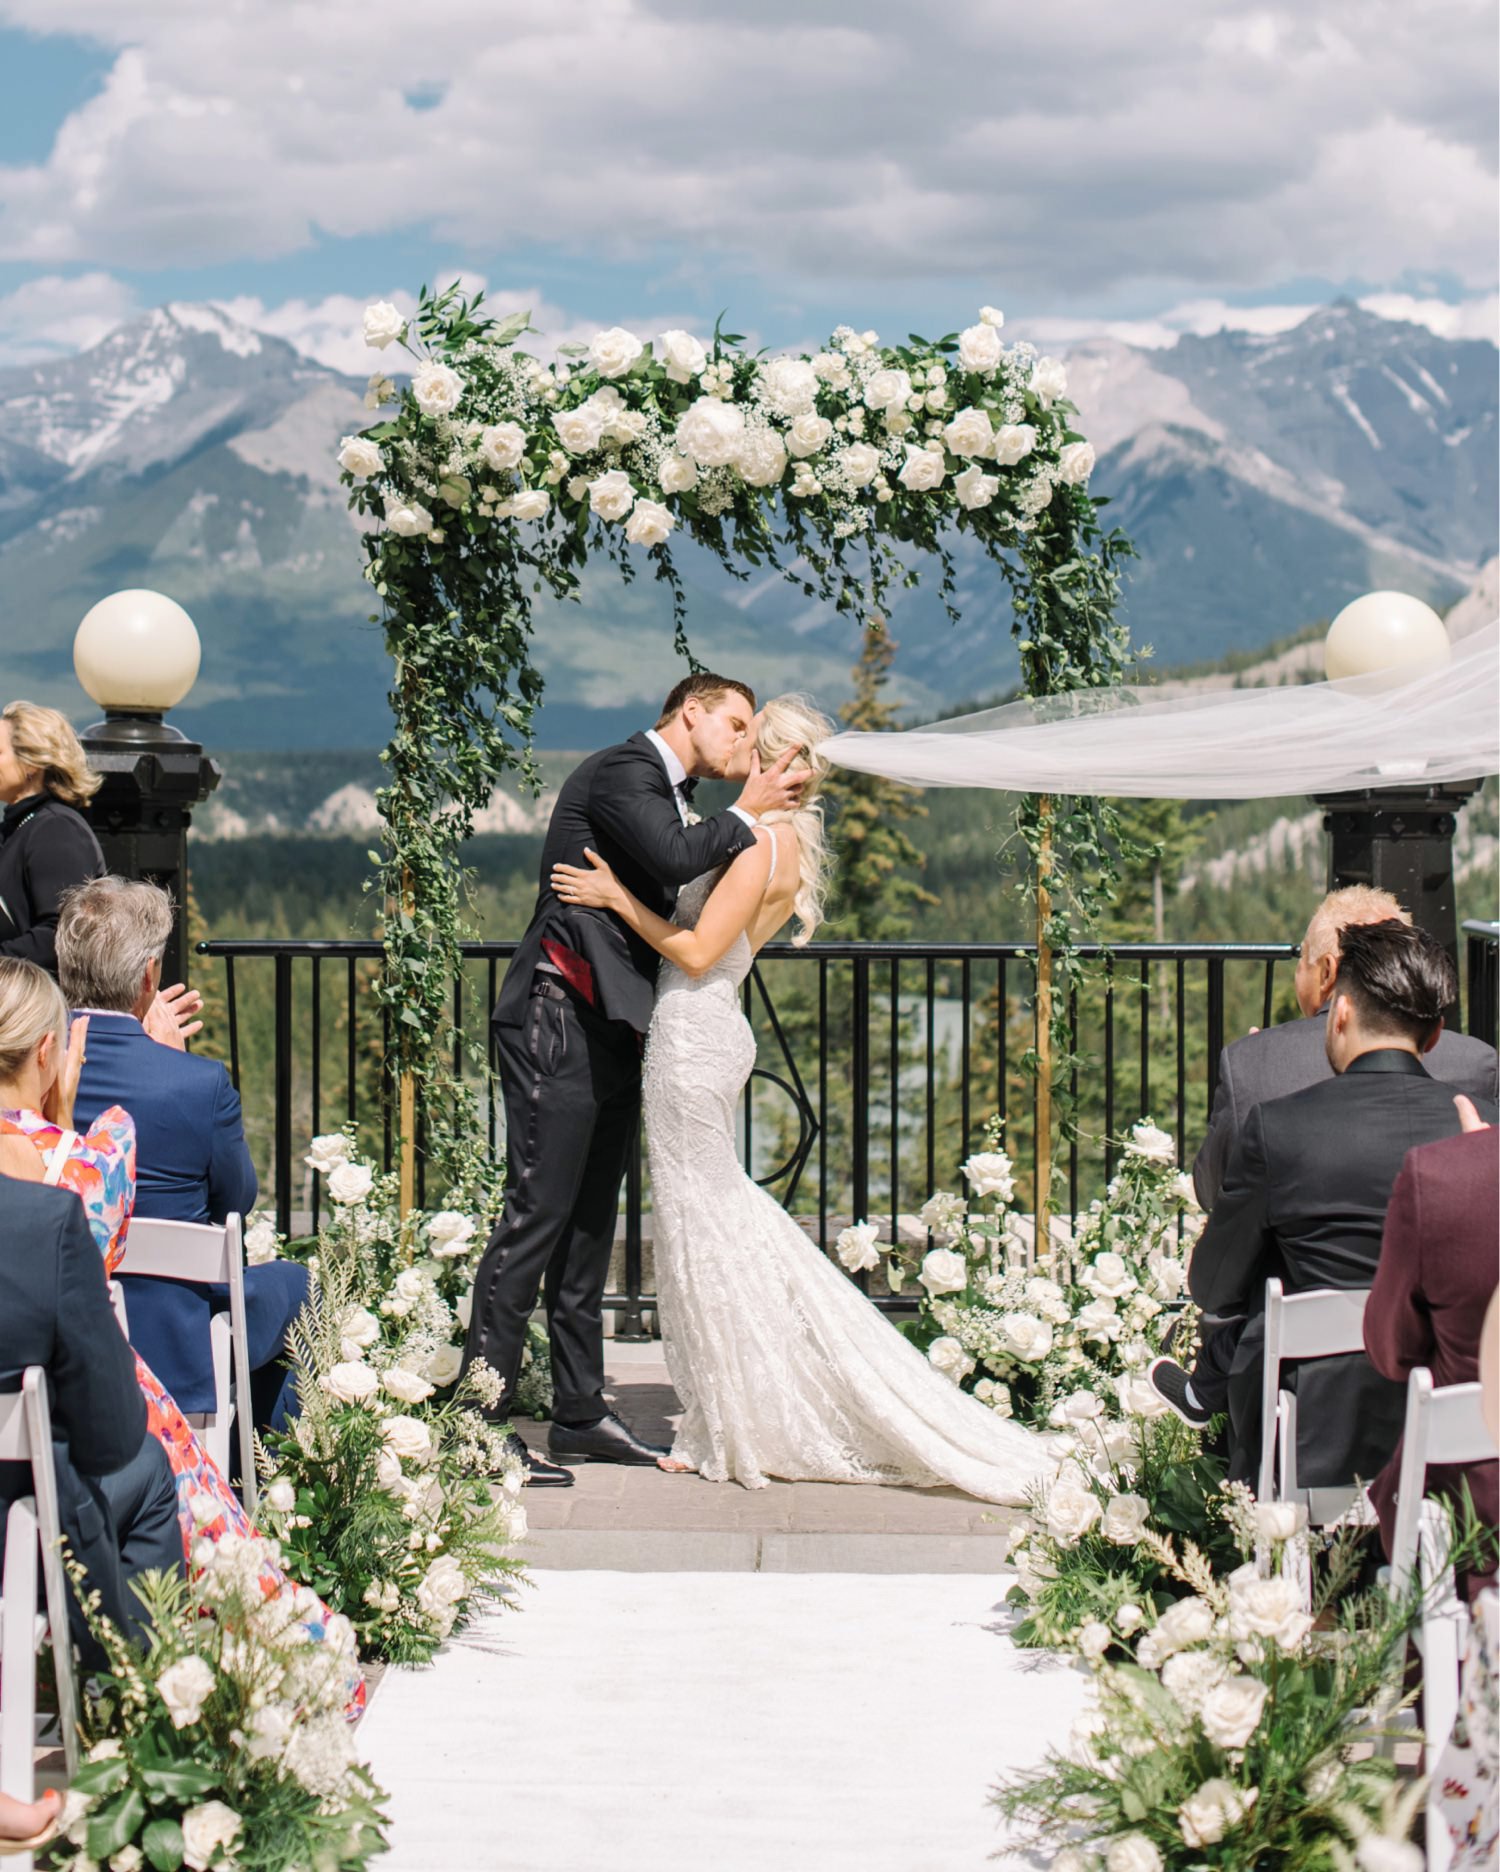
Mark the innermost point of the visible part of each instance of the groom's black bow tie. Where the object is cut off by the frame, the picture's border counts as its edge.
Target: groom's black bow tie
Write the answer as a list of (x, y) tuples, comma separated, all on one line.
[(687, 788)]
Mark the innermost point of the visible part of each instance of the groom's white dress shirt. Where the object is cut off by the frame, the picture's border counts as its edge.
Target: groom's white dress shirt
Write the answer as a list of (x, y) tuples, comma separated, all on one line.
[(677, 774)]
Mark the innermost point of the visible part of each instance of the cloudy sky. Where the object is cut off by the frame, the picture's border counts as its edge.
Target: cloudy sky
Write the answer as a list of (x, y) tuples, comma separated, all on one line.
[(1148, 168)]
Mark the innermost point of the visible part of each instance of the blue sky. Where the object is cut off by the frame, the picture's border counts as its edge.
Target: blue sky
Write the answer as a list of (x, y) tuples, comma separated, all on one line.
[(1162, 167)]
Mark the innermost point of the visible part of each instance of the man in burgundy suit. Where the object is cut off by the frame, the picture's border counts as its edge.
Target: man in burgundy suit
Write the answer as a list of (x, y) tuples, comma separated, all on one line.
[(1433, 1284)]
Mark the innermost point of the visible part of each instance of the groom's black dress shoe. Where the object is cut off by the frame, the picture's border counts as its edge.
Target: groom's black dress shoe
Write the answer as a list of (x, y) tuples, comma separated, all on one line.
[(538, 1471), (609, 1440)]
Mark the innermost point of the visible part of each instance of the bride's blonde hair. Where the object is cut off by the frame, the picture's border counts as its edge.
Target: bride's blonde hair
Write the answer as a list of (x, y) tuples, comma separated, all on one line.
[(791, 721)]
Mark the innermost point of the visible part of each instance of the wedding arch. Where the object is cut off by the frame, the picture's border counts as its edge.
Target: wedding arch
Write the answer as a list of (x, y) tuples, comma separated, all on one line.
[(492, 477)]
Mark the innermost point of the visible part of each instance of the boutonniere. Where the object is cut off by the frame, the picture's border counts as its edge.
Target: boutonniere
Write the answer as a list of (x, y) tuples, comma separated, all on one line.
[(692, 818)]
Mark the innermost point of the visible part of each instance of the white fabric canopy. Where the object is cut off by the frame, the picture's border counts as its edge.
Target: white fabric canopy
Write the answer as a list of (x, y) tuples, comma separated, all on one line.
[(1326, 737)]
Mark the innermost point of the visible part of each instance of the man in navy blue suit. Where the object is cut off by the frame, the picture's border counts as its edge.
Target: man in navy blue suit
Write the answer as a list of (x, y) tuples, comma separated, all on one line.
[(192, 1162)]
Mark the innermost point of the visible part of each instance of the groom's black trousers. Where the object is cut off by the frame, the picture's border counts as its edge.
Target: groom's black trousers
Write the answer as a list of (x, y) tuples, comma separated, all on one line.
[(571, 1082)]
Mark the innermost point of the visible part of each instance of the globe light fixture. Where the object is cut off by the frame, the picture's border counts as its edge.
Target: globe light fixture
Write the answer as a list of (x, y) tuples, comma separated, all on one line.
[(1385, 632), (138, 652)]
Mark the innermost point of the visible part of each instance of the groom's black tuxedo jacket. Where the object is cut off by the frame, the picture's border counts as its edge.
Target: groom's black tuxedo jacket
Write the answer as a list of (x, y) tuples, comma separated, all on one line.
[(620, 803)]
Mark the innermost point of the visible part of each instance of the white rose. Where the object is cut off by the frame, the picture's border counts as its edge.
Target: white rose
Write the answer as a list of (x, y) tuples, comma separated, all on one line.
[(1048, 1299), (949, 1357), (923, 470), (1190, 1675), (360, 457), (379, 390), (1213, 1811), (350, 1183), (271, 1728), (388, 1472), (970, 433), (503, 444), (682, 354), (358, 1328), (1125, 1519), (463, 1308), (613, 352), (185, 1687), (438, 389), (409, 519), (1024, 1336), (206, 1831), (887, 389), (676, 474), (974, 488), (260, 1242), (351, 1381), (580, 430), (789, 386), (327, 1152), (445, 1364), (383, 324), (1079, 1407), (442, 1589), (410, 1285), (1108, 1278), (944, 1270), (281, 1496), (1128, 1618), (1013, 443), (991, 315), (1231, 1712), (1049, 381), (408, 1438), (1094, 1639), (1167, 1276), (649, 523), (529, 504), (1098, 1320), (1138, 1398), (1188, 1622), (406, 1386), (807, 435), (761, 458), (1075, 463), (1131, 1852), (1377, 1853), (1279, 1521), (1267, 1608), (611, 496), (860, 463), (1147, 1141), (1182, 1190), (450, 1233), (1071, 1510), (856, 1247), (988, 1173), (710, 433), (980, 349)]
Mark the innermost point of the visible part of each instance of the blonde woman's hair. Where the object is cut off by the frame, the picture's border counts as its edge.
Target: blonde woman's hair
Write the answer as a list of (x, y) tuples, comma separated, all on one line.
[(44, 738), (31, 1006), (791, 721)]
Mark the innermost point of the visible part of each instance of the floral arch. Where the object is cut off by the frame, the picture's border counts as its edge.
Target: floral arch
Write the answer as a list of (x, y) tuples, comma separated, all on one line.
[(491, 477)]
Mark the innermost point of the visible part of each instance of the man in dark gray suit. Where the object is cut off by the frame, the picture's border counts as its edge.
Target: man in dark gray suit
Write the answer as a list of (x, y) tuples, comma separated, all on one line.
[(1273, 1063)]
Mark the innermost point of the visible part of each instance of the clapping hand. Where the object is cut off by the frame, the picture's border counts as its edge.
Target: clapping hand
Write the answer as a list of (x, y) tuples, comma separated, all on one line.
[(63, 1092), (1468, 1117), (596, 889), (169, 1019)]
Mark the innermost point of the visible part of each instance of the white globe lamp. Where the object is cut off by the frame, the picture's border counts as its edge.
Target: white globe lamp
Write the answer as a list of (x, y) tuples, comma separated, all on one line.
[(1385, 633), (137, 653)]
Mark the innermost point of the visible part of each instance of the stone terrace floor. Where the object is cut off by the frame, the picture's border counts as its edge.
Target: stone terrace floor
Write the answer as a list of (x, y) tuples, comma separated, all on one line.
[(628, 1519)]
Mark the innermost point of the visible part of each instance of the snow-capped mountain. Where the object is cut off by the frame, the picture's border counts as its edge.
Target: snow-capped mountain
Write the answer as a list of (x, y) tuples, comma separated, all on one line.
[(1265, 480)]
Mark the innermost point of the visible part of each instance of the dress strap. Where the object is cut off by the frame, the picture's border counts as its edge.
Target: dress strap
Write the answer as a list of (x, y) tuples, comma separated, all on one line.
[(57, 1157)]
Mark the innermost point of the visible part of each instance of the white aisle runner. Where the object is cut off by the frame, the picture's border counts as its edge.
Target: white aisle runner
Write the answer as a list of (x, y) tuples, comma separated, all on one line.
[(717, 1722)]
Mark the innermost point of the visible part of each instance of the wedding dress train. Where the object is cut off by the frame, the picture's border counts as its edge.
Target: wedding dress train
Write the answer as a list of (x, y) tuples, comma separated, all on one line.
[(784, 1368)]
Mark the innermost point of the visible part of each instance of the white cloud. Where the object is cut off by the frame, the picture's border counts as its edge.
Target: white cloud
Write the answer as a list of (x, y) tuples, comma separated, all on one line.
[(1060, 152), (1477, 317), (51, 316)]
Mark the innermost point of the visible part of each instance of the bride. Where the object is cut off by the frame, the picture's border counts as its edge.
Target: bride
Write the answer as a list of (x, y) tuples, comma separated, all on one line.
[(783, 1367)]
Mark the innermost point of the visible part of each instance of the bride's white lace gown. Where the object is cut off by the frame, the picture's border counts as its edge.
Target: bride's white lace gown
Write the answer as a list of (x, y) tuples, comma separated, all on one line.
[(783, 1367)]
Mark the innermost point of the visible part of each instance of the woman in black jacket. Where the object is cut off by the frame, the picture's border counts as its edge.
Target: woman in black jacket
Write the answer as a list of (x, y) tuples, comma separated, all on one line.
[(46, 844)]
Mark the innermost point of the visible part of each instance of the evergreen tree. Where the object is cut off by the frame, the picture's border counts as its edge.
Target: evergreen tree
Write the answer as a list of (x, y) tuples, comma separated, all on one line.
[(1157, 839)]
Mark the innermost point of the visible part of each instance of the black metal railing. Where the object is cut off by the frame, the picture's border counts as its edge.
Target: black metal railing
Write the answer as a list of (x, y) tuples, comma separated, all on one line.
[(879, 1063)]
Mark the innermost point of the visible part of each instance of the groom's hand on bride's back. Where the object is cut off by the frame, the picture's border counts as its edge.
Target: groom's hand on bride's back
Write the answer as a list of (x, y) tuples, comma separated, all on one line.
[(777, 789)]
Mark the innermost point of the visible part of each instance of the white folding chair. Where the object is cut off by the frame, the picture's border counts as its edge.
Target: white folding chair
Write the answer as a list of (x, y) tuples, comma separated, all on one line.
[(205, 1251), (1320, 1324), (32, 1524), (1444, 1424)]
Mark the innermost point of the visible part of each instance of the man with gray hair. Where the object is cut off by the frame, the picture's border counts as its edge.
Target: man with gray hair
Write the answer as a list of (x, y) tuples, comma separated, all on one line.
[(192, 1162)]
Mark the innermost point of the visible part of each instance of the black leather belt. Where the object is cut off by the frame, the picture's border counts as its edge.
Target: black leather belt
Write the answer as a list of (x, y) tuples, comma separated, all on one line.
[(549, 989)]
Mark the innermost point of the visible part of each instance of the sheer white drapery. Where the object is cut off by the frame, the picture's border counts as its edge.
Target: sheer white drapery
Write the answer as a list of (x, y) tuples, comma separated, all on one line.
[(1327, 737)]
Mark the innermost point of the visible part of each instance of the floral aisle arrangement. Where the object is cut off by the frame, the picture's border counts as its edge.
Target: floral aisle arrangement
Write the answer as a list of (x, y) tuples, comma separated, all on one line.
[(1068, 1340), (224, 1743), (391, 1497), (1224, 1741), (490, 476)]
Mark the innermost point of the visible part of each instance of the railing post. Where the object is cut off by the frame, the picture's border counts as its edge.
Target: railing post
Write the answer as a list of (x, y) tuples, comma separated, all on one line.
[(859, 1075), (630, 1322), (1483, 971), (1215, 1023), (282, 1079)]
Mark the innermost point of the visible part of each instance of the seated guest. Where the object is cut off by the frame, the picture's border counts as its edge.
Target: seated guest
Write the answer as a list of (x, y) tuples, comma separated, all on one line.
[(1283, 1059), (116, 1496), (192, 1162), (1435, 1280), (1304, 1198), (46, 844)]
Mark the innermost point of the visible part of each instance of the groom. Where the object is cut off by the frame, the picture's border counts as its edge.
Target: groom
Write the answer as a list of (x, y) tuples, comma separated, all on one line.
[(568, 1031)]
